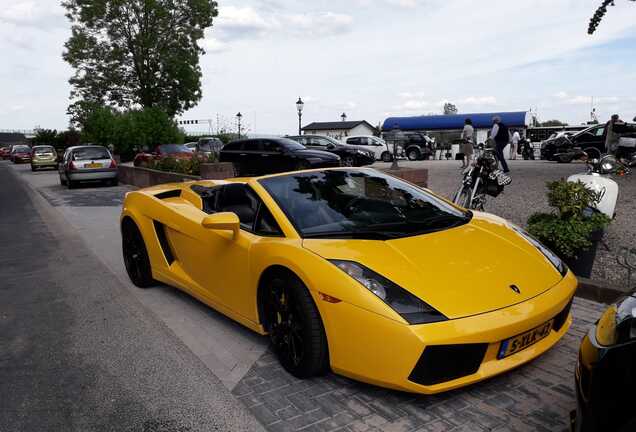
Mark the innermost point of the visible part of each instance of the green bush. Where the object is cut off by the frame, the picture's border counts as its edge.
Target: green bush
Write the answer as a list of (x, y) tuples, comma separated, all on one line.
[(130, 131), (182, 166), (569, 228)]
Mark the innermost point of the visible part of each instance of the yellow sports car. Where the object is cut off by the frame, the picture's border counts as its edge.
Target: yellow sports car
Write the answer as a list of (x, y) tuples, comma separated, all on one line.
[(353, 270)]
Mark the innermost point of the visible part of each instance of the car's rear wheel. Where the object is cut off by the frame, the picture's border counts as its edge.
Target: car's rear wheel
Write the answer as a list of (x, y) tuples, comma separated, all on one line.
[(62, 181), (564, 158), (386, 157), (295, 327), (135, 255), (592, 153), (413, 154), (71, 184), (33, 168), (348, 161)]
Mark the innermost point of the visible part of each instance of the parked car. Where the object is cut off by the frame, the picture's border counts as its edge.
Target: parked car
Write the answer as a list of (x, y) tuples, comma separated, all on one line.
[(43, 156), (378, 146), (177, 151), (20, 154), (348, 269), (349, 155), (5, 152), (416, 145), (206, 147), (258, 156), (87, 163), (605, 374)]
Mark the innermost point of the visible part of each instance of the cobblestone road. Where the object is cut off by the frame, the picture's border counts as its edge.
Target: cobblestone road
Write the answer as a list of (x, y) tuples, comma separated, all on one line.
[(535, 397)]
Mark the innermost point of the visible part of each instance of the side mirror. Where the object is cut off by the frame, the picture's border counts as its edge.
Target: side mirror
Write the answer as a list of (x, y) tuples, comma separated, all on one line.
[(224, 221)]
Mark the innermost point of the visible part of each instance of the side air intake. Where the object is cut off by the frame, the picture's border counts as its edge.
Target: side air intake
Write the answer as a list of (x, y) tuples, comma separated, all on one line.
[(160, 229)]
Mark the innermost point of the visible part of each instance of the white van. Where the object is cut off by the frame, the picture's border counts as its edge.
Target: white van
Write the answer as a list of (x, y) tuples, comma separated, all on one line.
[(377, 145)]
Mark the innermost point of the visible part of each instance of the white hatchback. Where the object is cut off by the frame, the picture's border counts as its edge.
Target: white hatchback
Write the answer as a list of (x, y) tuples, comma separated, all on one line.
[(378, 146)]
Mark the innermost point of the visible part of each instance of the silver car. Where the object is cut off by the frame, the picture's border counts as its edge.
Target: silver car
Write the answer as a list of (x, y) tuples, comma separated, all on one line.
[(87, 163)]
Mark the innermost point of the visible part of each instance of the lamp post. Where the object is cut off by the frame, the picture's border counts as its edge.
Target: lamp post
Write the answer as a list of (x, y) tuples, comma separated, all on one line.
[(343, 116), (239, 116), (397, 135), (299, 106)]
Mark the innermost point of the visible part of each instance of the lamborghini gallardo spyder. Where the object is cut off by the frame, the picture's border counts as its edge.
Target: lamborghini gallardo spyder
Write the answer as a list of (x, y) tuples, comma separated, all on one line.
[(356, 271)]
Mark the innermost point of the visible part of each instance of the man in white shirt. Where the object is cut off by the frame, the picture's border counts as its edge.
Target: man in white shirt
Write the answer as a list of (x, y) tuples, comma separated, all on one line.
[(514, 144)]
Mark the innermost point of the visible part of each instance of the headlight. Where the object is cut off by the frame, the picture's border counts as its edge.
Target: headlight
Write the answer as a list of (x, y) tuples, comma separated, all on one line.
[(618, 324), (411, 308), (551, 256)]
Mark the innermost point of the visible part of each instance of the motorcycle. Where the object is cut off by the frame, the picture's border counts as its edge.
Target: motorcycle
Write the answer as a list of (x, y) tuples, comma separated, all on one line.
[(527, 151), (597, 179), (480, 180)]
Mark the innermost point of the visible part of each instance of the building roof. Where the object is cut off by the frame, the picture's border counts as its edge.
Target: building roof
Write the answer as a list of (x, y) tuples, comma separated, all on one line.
[(455, 121), (12, 138), (337, 125)]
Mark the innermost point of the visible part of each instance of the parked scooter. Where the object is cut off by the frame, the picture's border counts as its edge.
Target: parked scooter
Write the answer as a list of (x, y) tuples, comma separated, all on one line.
[(527, 151), (483, 178), (597, 179)]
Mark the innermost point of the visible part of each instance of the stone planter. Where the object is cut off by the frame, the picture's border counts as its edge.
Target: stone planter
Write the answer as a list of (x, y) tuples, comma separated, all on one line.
[(417, 176), (584, 261), (217, 171)]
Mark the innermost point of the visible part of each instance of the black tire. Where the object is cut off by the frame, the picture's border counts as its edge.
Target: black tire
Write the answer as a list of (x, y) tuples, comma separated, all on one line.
[(71, 184), (303, 165), (295, 328), (114, 182), (62, 181), (238, 170), (386, 157), (33, 168), (135, 255), (413, 154), (348, 161), (593, 153), (564, 159)]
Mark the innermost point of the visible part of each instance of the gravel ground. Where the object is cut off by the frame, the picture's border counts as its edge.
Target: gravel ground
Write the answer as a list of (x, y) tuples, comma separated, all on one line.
[(527, 194)]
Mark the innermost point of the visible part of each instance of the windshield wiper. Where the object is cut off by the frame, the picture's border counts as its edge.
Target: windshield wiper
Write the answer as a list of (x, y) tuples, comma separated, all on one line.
[(360, 235)]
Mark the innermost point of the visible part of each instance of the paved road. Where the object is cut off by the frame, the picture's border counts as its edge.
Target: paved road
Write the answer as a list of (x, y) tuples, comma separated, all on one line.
[(538, 396), (78, 352)]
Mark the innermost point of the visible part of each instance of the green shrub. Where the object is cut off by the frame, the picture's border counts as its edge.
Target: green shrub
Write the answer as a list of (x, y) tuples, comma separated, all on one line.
[(569, 228)]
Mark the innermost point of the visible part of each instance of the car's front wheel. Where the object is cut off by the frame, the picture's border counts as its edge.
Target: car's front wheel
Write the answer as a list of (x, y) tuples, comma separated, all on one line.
[(135, 255), (413, 154), (387, 157), (295, 328)]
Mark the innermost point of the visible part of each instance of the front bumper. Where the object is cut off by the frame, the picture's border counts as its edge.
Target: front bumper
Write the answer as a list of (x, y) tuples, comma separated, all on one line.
[(109, 174), (384, 352)]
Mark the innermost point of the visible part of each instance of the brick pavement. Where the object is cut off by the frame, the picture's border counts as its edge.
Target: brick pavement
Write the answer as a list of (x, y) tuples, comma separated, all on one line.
[(535, 397)]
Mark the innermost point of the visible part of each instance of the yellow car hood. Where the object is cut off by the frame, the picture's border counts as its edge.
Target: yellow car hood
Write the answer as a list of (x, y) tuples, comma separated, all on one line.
[(461, 272)]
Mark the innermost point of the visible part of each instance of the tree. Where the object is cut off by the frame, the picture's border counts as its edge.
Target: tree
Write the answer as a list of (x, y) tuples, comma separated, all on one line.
[(449, 108), (131, 53), (552, 123), (45, 137), (131, 130)]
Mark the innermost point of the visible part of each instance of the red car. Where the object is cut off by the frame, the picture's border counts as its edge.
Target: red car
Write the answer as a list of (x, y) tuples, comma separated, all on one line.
[(176, 151), (5, 152), (21, 154)]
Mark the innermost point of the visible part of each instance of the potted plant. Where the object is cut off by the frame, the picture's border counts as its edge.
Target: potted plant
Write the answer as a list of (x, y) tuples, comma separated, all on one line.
[(574, 228)]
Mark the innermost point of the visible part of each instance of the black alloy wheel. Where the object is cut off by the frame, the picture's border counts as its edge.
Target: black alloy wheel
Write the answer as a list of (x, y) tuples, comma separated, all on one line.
[(348, 161), (295, 329), (135, 255), (413, 155), (386, 157)]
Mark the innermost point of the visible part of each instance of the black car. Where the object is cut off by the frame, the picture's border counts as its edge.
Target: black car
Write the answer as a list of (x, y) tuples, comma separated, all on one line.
[(417, 145), (590, 140), (349, 154), (259, 156), (605, 374)]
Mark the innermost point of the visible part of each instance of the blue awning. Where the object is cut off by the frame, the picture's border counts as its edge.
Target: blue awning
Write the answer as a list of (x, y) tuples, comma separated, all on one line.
[(455, 121)]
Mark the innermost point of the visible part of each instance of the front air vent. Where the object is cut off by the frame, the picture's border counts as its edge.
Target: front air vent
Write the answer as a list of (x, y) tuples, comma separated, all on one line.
[(169, 194), (160, 229), (441, 363)]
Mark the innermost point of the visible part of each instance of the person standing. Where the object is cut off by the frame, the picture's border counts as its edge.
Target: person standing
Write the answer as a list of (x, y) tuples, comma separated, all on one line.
[(500, 135), (611, 137), (467, 142), (514, 145)]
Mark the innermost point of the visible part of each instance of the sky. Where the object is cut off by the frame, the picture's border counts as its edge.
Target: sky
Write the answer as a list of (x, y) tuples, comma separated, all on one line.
[(367, 58)]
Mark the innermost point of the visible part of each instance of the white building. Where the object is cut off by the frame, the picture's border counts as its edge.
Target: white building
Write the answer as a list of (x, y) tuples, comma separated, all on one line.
[(340, 130)]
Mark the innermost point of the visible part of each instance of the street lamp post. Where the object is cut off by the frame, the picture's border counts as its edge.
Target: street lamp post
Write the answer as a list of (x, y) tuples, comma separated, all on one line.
[(239, 116), (343, 116), (299, 106)]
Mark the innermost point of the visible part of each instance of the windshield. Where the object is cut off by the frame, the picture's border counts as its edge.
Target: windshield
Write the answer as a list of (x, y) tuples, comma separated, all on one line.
[(90, 153), (290, 144), (359, 204), (174, 148), (39, 150)]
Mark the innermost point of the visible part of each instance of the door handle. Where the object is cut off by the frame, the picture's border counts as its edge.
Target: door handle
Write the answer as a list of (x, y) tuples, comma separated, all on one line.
[(243, 154), (264, 155)]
